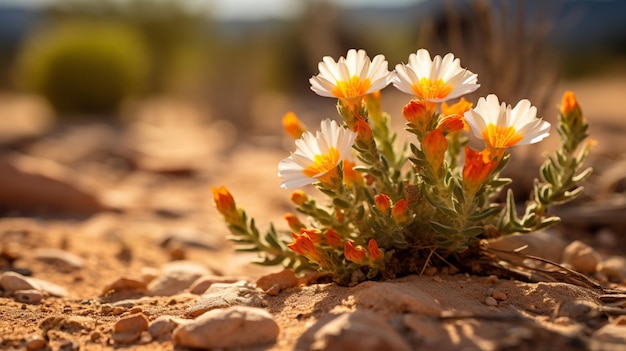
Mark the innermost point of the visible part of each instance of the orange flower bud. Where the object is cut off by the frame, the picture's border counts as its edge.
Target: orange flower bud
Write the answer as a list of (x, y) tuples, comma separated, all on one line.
[(333, 238), (299, 197), (434, 147), (399, 212), (305, 246), (353, 253), (568, 103), (292, 125), (459, 108), (314, 235), (293, 222), (418, 113), (452, 123), (477, 168), (224, 201), (363, 130), (375, 253), (382, 202)]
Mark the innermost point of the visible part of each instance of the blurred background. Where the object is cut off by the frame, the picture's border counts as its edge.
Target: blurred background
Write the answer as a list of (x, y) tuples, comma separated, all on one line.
[(109, 88)]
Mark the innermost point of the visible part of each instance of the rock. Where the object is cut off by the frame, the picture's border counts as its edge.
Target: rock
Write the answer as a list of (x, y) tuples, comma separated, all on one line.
[(490, 301), (60, 258), (609, 337), (50, 288), (148, 274), (11, 281), (544, 244), (35, 342), (499, 295), (128, 329), (125, 284), (203, 283), (237, 326), (176, 277), (614, 268), (221, 295), (163, 326), (582, 257), (394, 298), (362, 330), (282, 280), (30, 296)]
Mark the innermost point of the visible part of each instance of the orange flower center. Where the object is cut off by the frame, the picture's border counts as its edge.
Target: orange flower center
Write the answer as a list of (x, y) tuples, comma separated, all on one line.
[(323, 163), (352, 88), (428, 89), (499, 137)]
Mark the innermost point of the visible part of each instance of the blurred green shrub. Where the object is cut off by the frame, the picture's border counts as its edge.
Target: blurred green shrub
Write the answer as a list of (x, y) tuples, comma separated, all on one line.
[(85, 68)]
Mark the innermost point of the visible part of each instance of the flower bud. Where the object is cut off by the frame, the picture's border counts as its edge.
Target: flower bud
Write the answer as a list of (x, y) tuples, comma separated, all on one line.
[(435, 146), (382, 202), (293, 222), (292, 125), (400, 210), (333, 238), (375, 253), (299, 197), (353, 253), (224, 201)]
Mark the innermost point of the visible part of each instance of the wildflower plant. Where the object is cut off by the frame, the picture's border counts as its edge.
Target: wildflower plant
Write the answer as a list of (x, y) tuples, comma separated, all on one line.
[(397, 209)]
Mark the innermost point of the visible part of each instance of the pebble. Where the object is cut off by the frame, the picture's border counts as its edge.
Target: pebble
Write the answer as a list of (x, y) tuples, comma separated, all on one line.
[(125, 284), (60, 259), (203, 283), (35, 342), (30, 296), (237, 326), (176, 277), (162, 326), (546, 244), (614, 267), (11, 281), (582, 257), (361, 330), (396, 298), (221, 295), (490, 301), (50, 288), (277, 282), (499, 295), (128, 329)]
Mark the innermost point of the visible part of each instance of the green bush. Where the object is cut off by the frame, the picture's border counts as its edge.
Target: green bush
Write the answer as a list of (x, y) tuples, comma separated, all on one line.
[(85, 68)]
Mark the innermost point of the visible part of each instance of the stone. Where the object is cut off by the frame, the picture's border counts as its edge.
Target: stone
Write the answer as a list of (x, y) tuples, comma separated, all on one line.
[(614, 267), (490, 301), (221, 295), (499, 295), (282, 280), (232, 327), (48, 287), (63, 260), (176, 277), (125, 284), (128, 329), (203, 283), (30, 296), (11, 281), (394, 298), (163, 326), (361, 330), (35, 342), (582, 257), (545, 244)]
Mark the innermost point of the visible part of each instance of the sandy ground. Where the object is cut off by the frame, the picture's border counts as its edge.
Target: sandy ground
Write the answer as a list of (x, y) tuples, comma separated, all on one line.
[(129, 198)]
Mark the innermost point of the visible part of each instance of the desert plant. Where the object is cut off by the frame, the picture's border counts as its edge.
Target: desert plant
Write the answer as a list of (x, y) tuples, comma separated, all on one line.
[(395, 210), (84, 67)]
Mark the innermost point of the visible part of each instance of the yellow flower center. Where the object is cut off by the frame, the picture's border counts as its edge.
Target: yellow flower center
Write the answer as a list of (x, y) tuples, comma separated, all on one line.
[(352, 88), (428, 89), (499, 137), (323, 163)]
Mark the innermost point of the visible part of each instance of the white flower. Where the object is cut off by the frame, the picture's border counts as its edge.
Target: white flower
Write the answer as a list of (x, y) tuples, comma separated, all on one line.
[(351, 77), (501, 126), (434, 80), (316, 155)]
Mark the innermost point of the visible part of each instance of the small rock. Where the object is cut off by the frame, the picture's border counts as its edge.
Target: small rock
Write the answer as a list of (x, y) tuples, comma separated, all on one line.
[(362, 330), (545, 244), (162, 326), (62, 259), (282, 280), (35, 342), (614, 268), (490, 301), (30, 296), (499, 295), (11, 281), (203, 283), (128, 329), (176, 277), (237, 326), (582, 257), (396, 298), (218, 296), (148, 274), (125, 284), (48, 287)]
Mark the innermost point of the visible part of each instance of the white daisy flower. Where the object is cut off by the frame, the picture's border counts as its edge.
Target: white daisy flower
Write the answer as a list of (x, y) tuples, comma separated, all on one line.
[(316, 155), (434, 80), (351, 77), (501, 126)]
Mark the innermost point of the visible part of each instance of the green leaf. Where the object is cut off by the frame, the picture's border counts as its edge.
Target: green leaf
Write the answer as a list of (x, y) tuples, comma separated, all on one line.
[(444, 229)]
